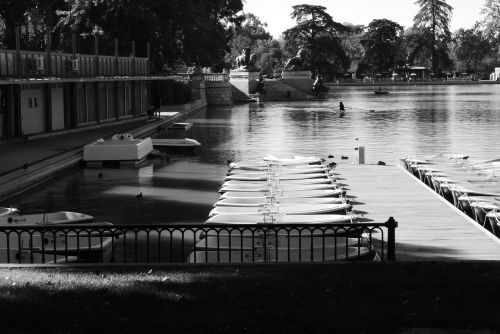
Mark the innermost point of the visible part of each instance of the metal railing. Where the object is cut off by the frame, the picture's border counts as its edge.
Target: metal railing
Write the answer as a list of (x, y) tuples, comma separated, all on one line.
[(199, 243)]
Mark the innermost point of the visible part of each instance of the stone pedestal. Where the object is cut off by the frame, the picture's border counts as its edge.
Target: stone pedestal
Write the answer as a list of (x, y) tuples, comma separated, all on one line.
[(198, 89), (299, 79), (246, 82)]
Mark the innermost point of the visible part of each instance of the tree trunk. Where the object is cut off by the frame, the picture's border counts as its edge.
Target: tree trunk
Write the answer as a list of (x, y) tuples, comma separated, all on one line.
[(433, 49)]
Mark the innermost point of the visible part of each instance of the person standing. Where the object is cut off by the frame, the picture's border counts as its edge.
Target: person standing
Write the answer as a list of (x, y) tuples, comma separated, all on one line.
[(341, 107)]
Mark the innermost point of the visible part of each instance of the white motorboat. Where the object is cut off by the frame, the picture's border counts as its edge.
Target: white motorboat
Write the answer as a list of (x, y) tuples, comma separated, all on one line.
[(8, 211), (281, 171), (269, 161), (279, 188), (481, 209), (85, 245), (175, 142), (89, 246), (282, 178), (494, 221), (284, 194), (214, 241), (280, 218), (25, 256), (272, 200), (289, 209), (61, 217), (277, 183), (273, 254), (181, 145), (122, 147)]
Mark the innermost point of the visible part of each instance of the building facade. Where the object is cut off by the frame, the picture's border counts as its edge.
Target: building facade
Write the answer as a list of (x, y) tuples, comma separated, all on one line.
[(44, 92)]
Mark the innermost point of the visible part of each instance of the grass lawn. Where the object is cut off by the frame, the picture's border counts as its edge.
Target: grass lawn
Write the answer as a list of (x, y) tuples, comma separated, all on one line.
[(319, 298)]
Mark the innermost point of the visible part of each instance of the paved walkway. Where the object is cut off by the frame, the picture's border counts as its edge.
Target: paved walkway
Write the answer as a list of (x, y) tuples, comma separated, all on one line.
[(430, 228)]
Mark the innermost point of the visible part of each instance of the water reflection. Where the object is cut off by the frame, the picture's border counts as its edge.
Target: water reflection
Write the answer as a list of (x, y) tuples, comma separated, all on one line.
[(411, 120)]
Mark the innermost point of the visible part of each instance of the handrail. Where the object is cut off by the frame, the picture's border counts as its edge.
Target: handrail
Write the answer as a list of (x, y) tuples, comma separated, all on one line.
[(173, 243), (36, 64)]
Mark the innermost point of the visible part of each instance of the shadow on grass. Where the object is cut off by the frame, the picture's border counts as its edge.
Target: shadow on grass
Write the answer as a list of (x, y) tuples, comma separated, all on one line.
[(349, 298)]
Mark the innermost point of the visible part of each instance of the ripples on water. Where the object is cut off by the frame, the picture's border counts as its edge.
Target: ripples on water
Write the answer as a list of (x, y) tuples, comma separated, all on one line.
[(416, 121)]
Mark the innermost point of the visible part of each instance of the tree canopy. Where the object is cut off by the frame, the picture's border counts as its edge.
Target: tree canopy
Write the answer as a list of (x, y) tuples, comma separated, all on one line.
[(382, 44), (318, 32), (471, 46), (194, 31), (435, 16)]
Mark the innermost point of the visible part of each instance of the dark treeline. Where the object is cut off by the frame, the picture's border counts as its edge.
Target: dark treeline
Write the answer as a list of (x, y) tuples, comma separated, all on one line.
[(192, 31), (211, 33)]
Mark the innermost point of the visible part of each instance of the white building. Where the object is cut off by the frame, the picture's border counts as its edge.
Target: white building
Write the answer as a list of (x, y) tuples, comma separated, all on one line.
[(495, 75)]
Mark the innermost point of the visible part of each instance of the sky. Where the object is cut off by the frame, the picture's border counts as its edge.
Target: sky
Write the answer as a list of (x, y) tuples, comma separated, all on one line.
[(276, 13)]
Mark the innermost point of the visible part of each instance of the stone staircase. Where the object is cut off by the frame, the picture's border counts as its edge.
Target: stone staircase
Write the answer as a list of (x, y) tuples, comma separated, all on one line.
[(239, 96)]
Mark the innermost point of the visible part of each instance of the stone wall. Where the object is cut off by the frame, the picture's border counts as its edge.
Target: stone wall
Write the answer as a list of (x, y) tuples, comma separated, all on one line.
[(280, 90), (218, 93)]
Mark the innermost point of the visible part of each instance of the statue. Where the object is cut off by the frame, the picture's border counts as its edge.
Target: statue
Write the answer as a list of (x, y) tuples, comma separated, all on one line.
[(245, 61), (318, 86), (195, 69), (296, 63)]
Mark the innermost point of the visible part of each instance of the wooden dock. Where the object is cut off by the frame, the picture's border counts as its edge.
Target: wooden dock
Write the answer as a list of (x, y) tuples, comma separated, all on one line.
[(430, 228)]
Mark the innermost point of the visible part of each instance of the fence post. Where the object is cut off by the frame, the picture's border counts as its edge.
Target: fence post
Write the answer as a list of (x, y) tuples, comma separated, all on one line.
[(391, 225)]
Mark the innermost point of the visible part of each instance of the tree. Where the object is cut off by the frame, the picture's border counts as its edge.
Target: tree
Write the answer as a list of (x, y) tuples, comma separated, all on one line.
[(251, 34), (12, 13), (435, 16), (491, 22), (351, 43), (317, 31), (270, 58), (194, 31), (471, 46), (382, 44), (491, 26)]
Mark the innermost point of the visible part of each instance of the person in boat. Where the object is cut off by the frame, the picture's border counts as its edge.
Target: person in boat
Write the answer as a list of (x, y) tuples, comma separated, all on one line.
[(341, 107)]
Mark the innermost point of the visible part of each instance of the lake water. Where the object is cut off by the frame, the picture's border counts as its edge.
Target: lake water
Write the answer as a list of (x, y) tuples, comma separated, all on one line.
[(410, 121)]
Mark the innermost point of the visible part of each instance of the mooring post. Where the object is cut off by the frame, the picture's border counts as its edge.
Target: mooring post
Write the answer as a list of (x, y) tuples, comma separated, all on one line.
[(391, 225)]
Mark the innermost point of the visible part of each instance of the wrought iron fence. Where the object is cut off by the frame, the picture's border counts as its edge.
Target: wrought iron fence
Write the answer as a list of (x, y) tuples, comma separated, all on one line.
[(198, 243)]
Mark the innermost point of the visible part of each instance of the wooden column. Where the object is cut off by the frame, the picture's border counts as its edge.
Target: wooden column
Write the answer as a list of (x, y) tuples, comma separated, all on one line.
[(73, 44), (17, 65), (97, 104), (148, 53), (133, 58), (116, 97), (48, 60), (116, 57), (47, 90), (96, 55)]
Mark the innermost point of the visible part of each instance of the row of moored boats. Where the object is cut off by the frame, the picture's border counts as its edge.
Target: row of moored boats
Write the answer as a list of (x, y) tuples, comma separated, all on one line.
[(472, 186), (275, 192)]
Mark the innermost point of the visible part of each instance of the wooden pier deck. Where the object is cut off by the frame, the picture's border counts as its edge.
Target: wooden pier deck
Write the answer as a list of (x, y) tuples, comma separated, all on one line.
[(430, 228)]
